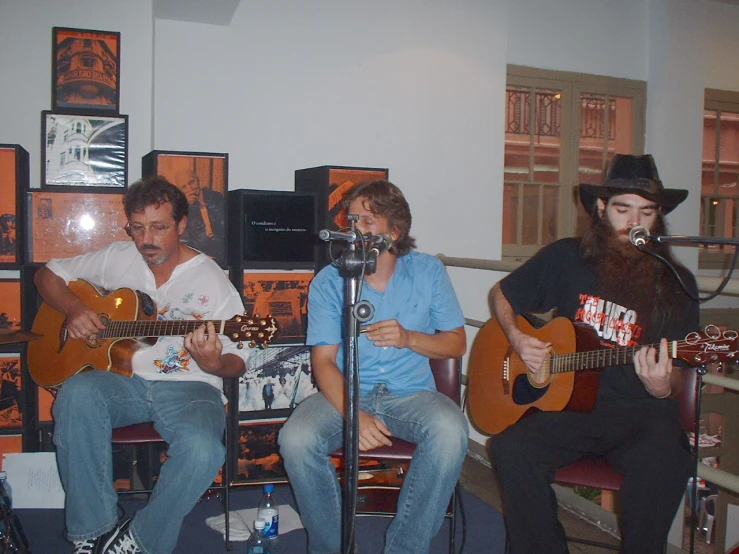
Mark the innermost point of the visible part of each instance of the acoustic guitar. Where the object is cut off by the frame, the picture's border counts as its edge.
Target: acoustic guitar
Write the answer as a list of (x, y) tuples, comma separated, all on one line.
[(131, 324), (502, 389)]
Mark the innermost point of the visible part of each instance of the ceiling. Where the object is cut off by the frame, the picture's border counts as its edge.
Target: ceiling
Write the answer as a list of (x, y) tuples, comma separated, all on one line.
[(215, 12)]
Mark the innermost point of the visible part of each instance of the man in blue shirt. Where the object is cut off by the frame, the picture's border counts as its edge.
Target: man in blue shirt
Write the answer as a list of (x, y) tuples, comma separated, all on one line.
[(417, 317)]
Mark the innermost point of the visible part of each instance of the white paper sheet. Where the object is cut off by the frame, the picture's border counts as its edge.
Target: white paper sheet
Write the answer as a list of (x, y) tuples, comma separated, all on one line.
[(34, 478), (241, 521)]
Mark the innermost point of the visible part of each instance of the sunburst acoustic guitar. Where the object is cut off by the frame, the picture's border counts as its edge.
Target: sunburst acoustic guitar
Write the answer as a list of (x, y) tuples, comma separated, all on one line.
[(131, 323), (502, 389)]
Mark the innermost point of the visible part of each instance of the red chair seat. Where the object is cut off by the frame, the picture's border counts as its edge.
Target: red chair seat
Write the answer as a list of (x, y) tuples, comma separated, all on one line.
[(590, 472), (140, 433)]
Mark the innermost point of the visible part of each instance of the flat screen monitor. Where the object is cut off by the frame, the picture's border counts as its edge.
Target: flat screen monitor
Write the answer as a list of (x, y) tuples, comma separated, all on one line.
[(279, 229)]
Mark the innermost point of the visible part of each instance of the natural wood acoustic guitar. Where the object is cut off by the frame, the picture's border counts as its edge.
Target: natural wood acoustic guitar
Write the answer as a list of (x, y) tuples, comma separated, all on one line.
[(502, 389), (131, 323)]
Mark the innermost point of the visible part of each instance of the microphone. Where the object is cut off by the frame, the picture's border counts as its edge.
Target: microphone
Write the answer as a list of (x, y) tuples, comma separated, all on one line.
[(348, 236), (382, 242), (639, 236)]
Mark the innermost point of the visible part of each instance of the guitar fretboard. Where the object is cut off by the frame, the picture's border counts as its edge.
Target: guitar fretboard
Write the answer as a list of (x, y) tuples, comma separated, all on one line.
[(168, 328), (594, 359)]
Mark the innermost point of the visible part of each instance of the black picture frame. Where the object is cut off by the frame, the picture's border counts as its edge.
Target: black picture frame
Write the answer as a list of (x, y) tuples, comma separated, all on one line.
[(14, 181), (258, 459), (272, 229), (12, 359), (272, 366), (85, 71), (84, 152), (203, 177)]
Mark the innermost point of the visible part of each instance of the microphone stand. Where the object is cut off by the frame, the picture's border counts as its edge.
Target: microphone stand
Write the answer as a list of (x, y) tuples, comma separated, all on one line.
[(677, 239), (353, 266)]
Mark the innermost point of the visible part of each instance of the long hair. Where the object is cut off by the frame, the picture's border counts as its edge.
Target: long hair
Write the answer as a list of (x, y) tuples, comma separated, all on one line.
[(155, 191), (385, 199)]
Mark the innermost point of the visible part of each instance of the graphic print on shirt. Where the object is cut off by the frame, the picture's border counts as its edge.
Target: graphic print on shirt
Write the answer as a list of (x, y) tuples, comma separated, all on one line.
[(177, 360), (614, 323), (173, 361)]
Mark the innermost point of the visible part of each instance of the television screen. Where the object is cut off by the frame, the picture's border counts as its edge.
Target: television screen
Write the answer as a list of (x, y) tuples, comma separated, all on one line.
[(279, 229)]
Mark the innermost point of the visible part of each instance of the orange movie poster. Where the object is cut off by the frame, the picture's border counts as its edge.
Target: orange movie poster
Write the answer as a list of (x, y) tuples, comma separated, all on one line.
[(10, 304), (10, 390), (8, 203), (284, 296), (340, 181), (69, 223)]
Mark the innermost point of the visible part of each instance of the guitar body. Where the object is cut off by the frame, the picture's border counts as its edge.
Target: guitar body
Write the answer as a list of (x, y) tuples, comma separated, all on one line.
[(500, 388), (58, 357)]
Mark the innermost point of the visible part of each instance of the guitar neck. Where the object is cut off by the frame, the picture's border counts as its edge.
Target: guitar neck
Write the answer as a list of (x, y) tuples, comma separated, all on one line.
[(596, 359), (167, 328)]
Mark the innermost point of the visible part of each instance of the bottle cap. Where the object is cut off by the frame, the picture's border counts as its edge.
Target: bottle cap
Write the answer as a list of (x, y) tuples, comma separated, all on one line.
[(258, 524), (269, 487)]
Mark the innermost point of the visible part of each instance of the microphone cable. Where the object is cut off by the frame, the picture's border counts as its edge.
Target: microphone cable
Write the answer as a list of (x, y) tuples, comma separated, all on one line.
[(698, 298)]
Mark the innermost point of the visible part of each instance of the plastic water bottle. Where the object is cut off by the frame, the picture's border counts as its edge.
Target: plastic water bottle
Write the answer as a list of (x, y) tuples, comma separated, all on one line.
[(6, 491), (258, 543), (269, 512)]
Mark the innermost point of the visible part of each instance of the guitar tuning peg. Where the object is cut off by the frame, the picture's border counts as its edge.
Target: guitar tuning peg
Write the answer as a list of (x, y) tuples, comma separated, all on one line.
[(239, 345), (252, 344)]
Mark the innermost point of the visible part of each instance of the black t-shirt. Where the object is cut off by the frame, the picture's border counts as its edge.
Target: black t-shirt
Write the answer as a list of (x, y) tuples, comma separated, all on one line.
[(558, 277)]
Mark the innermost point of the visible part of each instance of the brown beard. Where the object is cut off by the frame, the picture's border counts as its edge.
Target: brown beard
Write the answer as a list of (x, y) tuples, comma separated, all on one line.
[(633, 278)]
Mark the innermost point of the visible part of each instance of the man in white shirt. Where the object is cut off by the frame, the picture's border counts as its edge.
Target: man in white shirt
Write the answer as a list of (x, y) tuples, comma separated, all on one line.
[(176, 383)]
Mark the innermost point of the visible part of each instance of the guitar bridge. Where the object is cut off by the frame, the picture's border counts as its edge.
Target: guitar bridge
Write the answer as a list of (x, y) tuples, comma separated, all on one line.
[(506, 376)]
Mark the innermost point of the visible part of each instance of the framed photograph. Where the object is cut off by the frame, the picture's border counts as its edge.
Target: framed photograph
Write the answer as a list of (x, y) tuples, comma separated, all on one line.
[(203, 177), (65, 224), (259, 460), (85, 71), (284, 296), (84, 151), (277, 379), (272, 229), (13, 182), (11, 317), (11, 398)]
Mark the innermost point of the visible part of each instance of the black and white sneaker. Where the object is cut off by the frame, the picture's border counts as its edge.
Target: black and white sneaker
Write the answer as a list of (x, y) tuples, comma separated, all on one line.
[(123, 542), (98, 545)]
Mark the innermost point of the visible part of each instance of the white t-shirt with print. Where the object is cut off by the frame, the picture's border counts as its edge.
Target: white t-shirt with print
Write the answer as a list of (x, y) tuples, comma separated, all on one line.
[(197, 290)]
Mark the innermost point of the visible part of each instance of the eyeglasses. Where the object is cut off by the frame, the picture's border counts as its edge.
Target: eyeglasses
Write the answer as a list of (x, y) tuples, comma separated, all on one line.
[(156, 229)]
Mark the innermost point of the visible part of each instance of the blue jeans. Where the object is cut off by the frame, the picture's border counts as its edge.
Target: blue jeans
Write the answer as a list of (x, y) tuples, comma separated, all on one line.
[(429, 419), (189, 416)]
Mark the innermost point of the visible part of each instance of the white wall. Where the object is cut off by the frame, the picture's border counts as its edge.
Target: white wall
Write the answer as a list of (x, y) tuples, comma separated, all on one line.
[(25, 67)]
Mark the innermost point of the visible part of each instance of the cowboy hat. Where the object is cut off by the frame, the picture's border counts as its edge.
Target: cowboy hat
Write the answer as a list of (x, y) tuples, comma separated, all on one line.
[(629, 174)]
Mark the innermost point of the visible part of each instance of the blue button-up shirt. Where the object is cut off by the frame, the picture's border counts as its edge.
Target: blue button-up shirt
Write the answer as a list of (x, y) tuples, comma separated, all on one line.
[(419, 295)]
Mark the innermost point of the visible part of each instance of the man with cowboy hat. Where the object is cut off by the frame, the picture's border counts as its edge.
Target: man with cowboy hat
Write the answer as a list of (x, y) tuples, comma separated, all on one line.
[(629, 298)]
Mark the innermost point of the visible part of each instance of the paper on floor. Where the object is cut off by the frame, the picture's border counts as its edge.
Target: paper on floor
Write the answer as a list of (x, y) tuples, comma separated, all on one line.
[(241, 521)]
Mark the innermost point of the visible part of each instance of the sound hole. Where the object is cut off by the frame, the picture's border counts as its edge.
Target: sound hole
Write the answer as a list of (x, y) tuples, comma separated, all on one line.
[(524, 393)]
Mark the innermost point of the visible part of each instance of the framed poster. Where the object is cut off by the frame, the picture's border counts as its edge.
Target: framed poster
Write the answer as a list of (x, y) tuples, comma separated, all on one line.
[(272, 229), (11, 399), (65, 224), (284, 296), (85, 71), (259, 460), (10, 305), (84, 151), (277, 379), (203, 177), (13, 182)]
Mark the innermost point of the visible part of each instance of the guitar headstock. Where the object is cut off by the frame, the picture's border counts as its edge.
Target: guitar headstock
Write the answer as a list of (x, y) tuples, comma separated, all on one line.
[(712, 345), (254, 330)]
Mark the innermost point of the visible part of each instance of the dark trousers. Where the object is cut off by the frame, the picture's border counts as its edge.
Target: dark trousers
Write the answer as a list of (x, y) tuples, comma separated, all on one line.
[(647, 445)]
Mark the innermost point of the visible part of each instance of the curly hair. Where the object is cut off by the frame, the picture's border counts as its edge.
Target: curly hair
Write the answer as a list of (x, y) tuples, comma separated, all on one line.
[(155, 191), (385, 199)]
